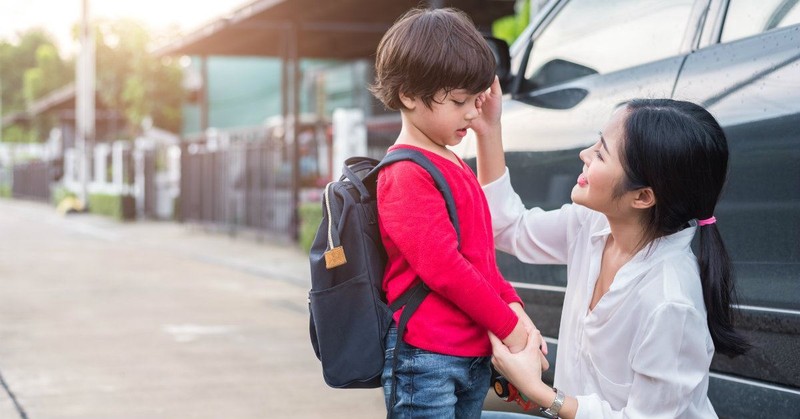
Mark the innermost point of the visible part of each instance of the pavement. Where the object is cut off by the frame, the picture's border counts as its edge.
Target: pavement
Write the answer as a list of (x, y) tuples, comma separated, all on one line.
[(102, 319), (147, 319)]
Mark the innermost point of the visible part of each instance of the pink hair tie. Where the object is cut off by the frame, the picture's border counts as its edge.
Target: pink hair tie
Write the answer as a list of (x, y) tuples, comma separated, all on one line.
[(707, 221)]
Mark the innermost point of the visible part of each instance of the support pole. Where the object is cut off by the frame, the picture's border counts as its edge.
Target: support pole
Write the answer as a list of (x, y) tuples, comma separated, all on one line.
[(84, 101), (295, 130), (290, 105), (204, 94)]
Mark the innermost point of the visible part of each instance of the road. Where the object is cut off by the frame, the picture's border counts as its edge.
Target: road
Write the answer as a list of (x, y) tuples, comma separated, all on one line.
[(101, 319), (109, 320)]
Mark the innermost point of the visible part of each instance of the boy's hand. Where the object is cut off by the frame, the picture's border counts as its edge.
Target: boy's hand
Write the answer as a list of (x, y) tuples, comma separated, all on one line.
[(526, 321), (489, 105), (516, 340)]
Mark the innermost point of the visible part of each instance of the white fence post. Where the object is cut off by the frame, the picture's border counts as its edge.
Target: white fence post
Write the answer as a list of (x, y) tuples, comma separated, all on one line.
[(349, 138)]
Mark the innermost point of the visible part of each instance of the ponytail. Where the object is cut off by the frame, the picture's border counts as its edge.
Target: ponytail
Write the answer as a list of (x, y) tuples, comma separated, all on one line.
[(718, 292), (679, 150)]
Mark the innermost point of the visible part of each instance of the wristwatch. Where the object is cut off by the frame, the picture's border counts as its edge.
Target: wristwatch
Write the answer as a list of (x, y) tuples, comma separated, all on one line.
[(552, 411)]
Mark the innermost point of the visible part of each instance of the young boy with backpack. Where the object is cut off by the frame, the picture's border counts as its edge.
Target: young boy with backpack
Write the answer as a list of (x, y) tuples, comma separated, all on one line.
[(433, 66)]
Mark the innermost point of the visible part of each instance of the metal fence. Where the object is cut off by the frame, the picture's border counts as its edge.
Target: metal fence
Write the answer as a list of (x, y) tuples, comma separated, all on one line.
[(240, 183), (32, 180)]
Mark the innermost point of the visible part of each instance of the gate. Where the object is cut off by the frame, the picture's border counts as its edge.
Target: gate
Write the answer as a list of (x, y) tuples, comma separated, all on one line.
[(32, 180), (241, 183), (149, 183)]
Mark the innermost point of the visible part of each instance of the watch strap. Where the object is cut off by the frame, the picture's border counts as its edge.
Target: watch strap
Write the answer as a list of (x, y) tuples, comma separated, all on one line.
[(552, 411)]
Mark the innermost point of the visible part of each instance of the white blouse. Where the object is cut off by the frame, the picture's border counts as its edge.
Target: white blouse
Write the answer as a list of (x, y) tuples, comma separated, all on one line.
[(645, 349)]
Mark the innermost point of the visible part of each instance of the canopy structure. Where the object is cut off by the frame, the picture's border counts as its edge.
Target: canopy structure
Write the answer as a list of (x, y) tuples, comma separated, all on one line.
[(340, 29)]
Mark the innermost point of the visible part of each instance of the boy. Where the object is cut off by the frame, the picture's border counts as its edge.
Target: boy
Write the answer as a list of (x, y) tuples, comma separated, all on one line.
[(433, 66)]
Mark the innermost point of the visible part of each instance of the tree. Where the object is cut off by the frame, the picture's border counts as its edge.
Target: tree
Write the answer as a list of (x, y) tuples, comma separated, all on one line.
[(132, 80), (50, 73), (15, 59), (29, 69), (129, 79)]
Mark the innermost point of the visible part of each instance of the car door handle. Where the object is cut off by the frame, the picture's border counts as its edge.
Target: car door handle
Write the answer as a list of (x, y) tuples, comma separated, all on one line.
[(555, 99)]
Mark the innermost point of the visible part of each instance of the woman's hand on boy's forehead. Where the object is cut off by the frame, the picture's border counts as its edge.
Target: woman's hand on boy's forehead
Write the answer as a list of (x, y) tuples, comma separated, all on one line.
[(489, 105), (490, 102)]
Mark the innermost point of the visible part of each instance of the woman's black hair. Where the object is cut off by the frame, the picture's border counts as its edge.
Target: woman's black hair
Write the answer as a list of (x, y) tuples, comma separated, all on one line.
[(679, 150)]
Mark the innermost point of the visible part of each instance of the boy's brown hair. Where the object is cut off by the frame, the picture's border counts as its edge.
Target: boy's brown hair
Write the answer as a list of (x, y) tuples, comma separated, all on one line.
[(429, 50)]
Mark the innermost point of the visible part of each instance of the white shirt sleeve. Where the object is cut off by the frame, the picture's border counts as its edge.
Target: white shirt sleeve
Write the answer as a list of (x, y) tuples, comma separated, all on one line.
[(532, 235), (670, 369)]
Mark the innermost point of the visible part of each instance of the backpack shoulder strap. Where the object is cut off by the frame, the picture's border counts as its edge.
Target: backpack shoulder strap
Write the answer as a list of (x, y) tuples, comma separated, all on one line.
[(413, 297), (356, 170), (417, 157)]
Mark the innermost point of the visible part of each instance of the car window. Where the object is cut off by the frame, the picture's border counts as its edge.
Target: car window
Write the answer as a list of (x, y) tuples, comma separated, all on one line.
[(747, 17), (601, 36)]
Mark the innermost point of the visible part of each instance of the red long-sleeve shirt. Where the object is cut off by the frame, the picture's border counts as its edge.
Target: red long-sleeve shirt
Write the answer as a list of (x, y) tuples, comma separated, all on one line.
[(469, 296)]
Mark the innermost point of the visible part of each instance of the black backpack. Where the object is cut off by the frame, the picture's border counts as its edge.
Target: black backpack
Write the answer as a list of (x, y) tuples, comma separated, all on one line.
[(348, 310)]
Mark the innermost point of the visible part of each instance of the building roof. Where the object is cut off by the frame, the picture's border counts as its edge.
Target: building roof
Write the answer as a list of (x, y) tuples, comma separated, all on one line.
[(341, 29), (19, 117), (60, 99)]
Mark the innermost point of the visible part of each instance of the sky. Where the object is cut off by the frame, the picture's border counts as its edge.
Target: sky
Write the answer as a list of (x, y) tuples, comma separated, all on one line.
[(58, 16)]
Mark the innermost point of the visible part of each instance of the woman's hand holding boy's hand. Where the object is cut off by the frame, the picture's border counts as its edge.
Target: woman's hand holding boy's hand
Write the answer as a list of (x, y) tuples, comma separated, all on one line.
[(489, 105), (524, 368)]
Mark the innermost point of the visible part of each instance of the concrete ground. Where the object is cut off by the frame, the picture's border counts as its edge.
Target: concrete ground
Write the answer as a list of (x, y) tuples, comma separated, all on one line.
[(101, 319)]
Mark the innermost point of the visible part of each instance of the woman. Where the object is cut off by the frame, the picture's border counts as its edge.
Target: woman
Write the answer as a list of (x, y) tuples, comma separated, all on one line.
[(642, 315)]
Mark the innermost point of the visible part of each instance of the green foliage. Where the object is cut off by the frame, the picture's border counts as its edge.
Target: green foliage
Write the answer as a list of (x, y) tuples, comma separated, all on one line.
[(119, 207), (18, 134), (15, 59), (166, 94), (132, 80), (32, 84), (508, 28), (129, 79), (310, 217), (50, 73), (29, 70), (5, 190)]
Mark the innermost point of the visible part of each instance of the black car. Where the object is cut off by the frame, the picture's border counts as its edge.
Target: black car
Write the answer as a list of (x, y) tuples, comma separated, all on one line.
[(580, 59)]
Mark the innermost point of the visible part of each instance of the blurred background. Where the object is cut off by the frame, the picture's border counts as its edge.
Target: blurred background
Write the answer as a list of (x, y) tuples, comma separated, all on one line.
[(232, 114), (152, 123), (129, 130)]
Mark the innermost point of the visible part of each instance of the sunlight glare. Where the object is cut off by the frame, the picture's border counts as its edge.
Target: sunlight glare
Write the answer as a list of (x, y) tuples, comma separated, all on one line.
[(59, 16)]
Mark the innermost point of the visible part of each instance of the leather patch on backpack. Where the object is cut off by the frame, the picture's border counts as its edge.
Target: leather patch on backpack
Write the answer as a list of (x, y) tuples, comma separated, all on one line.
[(335, 257)]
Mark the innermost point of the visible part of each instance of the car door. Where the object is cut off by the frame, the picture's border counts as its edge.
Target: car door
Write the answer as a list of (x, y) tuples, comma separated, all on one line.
[(748, 77), (585, 58)]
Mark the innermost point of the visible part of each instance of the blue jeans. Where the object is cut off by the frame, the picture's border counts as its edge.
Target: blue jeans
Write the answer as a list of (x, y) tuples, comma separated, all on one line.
[(431, 385)]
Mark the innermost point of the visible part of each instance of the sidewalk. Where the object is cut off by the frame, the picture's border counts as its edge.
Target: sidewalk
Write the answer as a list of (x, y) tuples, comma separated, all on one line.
[(105, 320), (101, 319)]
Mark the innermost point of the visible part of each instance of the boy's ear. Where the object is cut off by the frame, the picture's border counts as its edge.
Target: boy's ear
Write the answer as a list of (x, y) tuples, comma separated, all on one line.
[(409, 102), (644, 198)]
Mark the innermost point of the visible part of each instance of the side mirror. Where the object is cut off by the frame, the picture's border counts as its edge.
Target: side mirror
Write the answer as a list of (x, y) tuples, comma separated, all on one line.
[(501, 54)]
